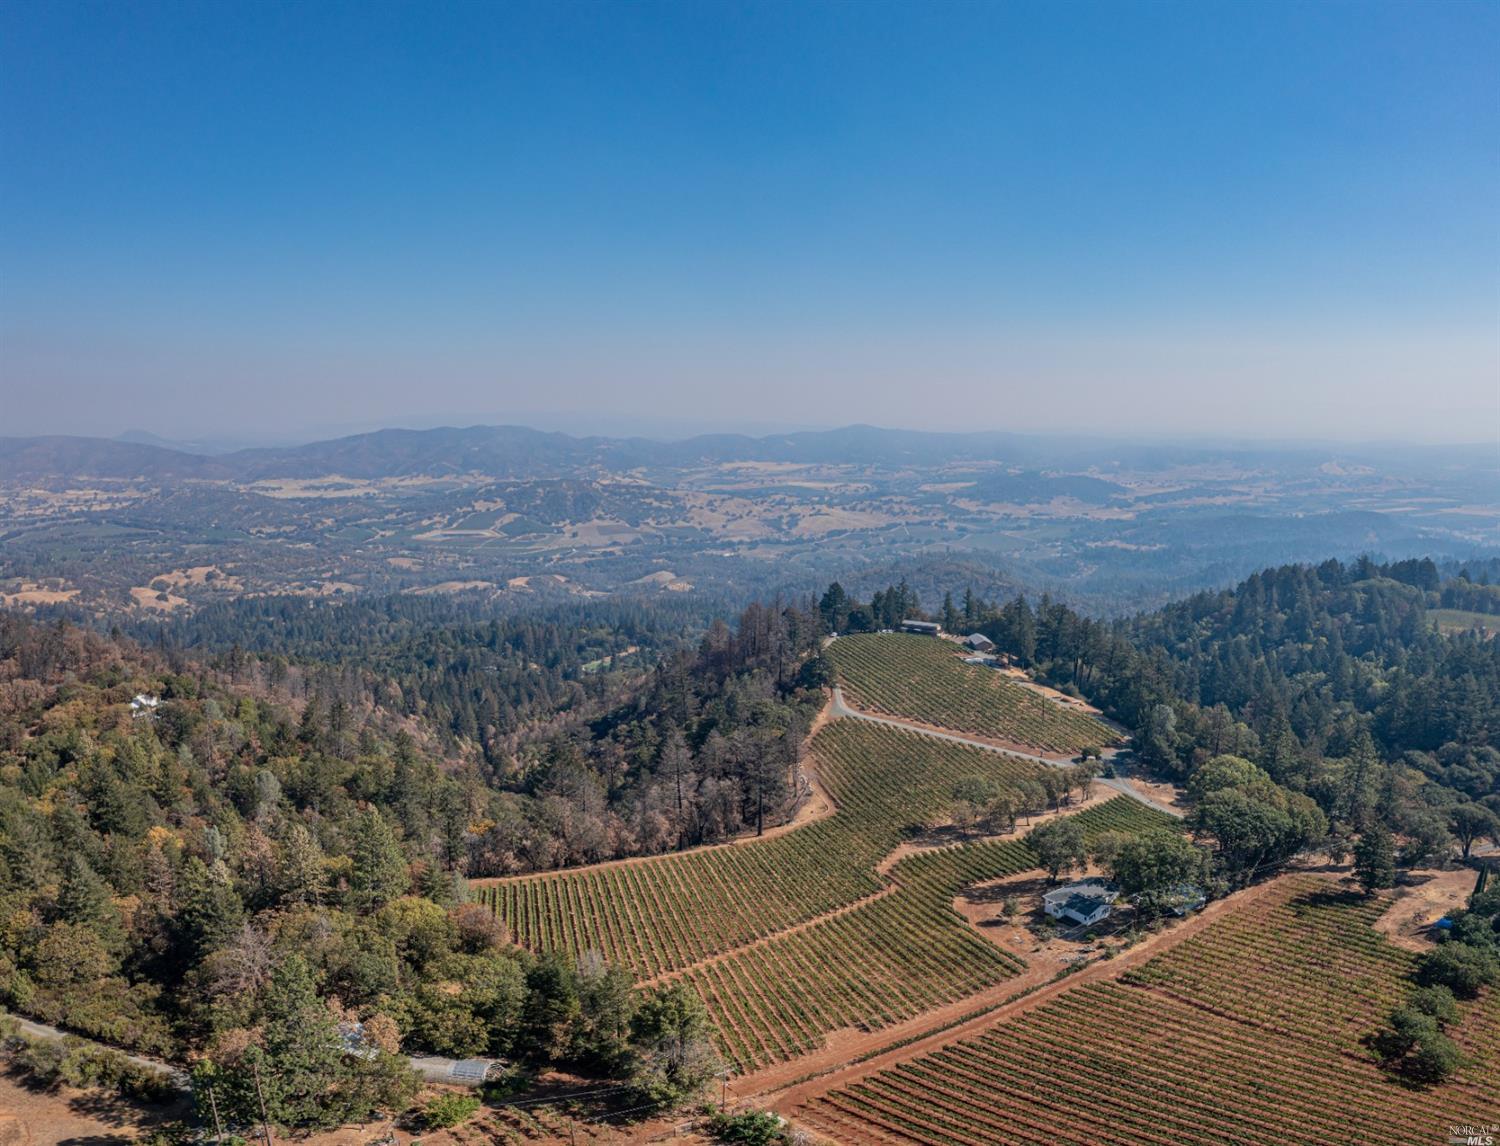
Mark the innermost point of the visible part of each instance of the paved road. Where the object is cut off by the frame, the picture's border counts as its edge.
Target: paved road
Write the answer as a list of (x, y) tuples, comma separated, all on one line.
[(841, 708)]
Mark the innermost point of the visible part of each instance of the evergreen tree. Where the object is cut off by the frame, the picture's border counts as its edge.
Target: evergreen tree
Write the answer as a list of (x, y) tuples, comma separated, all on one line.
[(379, 872), (210, 912), (1375, 858), (301, 874), (84, 896), (950, 614), (674, 1046)]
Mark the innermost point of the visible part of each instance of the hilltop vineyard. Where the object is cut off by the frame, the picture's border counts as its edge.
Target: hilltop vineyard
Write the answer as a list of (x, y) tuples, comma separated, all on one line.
[(781, 998), (925, 679)]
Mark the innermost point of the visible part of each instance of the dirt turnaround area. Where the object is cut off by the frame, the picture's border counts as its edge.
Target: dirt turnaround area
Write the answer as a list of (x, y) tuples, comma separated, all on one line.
[(31, 1116), (1421, 899)]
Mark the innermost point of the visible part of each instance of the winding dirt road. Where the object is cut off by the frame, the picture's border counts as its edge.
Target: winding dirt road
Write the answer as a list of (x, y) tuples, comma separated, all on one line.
[(842, 708)]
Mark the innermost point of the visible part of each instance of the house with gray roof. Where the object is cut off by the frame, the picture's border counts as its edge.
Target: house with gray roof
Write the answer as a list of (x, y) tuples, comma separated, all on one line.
[(1087, 901)]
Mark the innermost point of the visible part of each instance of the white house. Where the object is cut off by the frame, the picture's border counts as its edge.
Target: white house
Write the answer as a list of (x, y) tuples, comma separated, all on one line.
[(1084, 902), (143, 705), (979, 642)]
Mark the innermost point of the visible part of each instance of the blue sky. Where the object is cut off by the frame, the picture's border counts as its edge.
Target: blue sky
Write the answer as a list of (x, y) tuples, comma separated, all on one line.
[(1255, 218)]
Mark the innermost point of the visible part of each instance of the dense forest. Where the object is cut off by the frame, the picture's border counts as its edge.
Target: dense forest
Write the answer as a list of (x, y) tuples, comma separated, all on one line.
[(471, 677), (222, 861)]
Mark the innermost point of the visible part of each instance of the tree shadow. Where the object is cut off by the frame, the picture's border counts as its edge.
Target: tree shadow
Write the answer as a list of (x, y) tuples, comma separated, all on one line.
[(1323, 900)]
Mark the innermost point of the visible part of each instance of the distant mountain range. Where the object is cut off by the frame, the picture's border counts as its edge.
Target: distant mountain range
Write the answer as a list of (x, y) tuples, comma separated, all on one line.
[(516, 452)]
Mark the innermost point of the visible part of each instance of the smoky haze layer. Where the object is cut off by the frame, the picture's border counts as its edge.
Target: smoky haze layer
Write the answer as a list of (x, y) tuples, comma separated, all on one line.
[(1270, 220)]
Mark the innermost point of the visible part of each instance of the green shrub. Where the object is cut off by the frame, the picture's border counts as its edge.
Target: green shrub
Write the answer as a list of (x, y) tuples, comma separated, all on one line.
[(76, 1063), (751, 1128), (448, 1110)]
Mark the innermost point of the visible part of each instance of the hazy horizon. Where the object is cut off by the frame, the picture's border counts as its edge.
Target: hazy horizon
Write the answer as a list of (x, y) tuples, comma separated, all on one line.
[(214, 440), (1274, 222)]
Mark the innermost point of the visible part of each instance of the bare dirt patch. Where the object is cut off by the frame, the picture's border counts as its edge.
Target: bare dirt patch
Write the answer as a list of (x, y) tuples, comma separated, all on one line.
[(37, 593), (197, 577), (451, 587), (156, 601), (664, 579), (1158, 792), (1023, 933), (1421, 900), (52, 1117)]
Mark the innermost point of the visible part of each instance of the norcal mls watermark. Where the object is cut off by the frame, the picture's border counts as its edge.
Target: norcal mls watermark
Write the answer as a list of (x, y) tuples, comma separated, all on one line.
[(1474, 1135)]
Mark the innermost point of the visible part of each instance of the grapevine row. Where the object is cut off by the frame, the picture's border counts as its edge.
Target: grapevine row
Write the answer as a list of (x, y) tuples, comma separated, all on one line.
[(925, 679)]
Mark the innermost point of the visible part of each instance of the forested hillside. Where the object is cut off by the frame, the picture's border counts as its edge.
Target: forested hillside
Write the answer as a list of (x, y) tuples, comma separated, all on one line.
[(173, 875)]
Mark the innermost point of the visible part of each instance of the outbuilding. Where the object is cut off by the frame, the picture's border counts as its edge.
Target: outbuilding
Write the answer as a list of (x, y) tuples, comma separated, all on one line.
[(1087, 901), (979, 642), (925, 628)]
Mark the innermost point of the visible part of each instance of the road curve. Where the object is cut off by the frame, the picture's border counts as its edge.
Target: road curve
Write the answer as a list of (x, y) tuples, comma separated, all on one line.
[(841, 708), (34, 1030)]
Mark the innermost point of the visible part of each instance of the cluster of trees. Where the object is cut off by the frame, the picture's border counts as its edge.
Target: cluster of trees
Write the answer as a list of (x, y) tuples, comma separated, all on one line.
[(888, 607), (1413, 1042), (1155, 870), (476, 680), (1255, 823), (227, 878), (1474, 596), (993, 808)]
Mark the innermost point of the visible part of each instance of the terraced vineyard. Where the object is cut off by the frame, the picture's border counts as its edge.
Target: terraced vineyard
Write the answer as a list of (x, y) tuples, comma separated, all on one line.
[(667, 913), (890, 958), (925, 679), (1216, 1040)]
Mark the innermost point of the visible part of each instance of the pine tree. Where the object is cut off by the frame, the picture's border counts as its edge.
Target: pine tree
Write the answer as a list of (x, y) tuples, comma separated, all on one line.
[(210, 911), (303, 1057), (1375, 858), (84, 896), (379, 873), (950, 614), (301, 873)]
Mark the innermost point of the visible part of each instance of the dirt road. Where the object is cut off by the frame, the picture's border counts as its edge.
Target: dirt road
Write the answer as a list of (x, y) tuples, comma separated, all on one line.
[(786, 1087), (842, 708)]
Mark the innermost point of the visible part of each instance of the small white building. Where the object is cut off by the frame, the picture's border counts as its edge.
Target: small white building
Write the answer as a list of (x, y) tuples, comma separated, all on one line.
[(979, 642), (143, 705), (1087, 901)]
